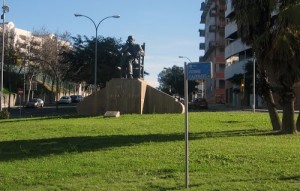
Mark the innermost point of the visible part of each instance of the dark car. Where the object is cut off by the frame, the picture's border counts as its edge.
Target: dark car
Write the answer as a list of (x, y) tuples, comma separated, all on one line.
[(198, 103), (76, 98), (35, 102)]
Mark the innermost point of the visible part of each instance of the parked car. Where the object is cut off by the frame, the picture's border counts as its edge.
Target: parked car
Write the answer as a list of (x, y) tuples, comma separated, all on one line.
[(35, 102), (76, 98), (198, 103), (65, 100)]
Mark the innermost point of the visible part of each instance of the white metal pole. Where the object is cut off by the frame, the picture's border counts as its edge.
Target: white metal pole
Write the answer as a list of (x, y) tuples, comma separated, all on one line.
[(186, 127)]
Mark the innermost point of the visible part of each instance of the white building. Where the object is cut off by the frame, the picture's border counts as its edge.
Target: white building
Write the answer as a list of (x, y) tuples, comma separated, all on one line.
[(237, 55)]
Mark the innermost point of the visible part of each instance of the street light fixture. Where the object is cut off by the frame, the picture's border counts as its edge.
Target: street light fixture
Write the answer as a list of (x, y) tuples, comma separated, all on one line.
[(5, 9), (184, 57), (96, 40)]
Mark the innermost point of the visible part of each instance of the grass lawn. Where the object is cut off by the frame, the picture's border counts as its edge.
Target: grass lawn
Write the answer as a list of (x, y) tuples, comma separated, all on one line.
[(228, 151)]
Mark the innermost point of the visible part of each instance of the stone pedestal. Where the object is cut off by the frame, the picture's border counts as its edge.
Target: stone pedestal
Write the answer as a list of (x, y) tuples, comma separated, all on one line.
[(129, 96)]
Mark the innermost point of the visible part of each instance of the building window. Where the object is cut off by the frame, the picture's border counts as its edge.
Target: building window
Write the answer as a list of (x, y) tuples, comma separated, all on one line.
[(221, 83)]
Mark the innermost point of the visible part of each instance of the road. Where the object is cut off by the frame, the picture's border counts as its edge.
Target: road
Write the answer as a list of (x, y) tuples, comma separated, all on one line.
[(70, 110), (20, 112)]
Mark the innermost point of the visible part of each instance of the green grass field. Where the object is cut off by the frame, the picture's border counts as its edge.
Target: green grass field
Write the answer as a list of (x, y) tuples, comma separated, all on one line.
[(228, 151)]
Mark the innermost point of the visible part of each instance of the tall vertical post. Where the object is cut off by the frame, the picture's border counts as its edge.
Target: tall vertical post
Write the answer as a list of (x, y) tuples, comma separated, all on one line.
[(2, 58), (96, 42), (186, 101), (254, 84), (96, 59), (24, 83)]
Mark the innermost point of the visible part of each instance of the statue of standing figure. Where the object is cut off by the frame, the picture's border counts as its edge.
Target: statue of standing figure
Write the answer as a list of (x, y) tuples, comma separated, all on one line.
[(131, 52)]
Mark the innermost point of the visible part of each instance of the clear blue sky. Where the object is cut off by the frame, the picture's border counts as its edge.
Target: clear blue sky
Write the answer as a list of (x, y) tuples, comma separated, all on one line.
[(168, 27)]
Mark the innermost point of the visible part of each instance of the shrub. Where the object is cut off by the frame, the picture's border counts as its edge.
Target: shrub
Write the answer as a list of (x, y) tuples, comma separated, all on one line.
[(4, 114)]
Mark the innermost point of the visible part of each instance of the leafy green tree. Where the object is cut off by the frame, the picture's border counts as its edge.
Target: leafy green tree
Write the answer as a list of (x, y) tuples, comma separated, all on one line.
[(171, 81), (270, 28), (82, 58)]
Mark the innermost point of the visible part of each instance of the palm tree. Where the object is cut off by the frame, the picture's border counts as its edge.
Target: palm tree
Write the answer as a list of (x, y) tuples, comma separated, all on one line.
[(284, 54), (270, 28), (253, 20)]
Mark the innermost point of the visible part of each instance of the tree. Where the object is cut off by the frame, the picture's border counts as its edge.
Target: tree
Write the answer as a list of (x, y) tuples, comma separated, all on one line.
[(284, 56), (81, 60), (268, 26), (49, 56), (171, 81)]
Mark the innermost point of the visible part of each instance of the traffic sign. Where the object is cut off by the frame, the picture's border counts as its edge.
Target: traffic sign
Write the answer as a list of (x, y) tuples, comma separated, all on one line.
[(199, 70), (20, 91)]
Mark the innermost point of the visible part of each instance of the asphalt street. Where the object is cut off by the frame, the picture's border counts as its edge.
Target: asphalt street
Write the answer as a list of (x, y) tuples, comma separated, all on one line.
[(70, 110), (47, 111)]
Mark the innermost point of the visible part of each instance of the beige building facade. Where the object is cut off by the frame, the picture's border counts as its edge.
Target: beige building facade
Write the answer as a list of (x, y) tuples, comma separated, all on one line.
[(213, 18)]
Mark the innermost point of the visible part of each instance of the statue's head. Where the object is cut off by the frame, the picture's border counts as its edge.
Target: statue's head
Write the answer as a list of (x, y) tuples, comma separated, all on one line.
[(130, 39)]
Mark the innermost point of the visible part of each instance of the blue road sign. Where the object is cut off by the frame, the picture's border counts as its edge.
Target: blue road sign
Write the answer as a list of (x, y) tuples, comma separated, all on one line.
[(199, 70)]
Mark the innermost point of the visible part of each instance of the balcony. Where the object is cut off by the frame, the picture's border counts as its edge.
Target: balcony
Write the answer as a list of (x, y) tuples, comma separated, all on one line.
[(206, 7), (202, 6), (216, 44), (219, 75), (229, 8), (219, 91), (212, 28), (213, 12), (235, 47), (221, 26), (219, 59), (202, 46), (202, 32), (222, 8), (235, 68), (230, 28), (202, 19)]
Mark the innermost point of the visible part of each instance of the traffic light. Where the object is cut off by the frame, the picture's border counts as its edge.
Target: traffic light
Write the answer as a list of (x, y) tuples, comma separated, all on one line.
[(242, 84)]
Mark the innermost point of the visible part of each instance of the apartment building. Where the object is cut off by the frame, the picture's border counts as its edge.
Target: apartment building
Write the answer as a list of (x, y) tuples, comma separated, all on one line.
[(28, 44), (21, 39), (237, 55), (213, 17)]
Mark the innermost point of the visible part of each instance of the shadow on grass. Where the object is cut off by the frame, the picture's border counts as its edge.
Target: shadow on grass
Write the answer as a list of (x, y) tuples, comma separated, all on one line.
[(22, 149)]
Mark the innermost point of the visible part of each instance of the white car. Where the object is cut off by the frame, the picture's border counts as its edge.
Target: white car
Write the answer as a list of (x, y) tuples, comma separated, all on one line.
[(35, 102), (65, 100)]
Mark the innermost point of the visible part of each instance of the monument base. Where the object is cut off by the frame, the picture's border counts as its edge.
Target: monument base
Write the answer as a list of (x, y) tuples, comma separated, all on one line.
[(129, 96)]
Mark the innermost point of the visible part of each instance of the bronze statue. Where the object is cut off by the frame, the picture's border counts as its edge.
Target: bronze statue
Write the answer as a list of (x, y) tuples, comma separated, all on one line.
[(131, 53)]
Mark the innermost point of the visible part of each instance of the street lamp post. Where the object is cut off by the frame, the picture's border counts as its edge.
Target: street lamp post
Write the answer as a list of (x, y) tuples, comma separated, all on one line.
[(96, 41), (5, 9)]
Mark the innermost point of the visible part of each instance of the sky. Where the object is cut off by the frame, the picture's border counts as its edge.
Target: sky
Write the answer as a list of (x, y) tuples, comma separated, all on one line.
[(169, 28)]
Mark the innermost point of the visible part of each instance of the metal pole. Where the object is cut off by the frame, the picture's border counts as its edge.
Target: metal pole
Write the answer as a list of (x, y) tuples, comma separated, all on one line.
[(96, 58), (254, 84), (186, 127), (24, 83), (96, 42), (2, 59)]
